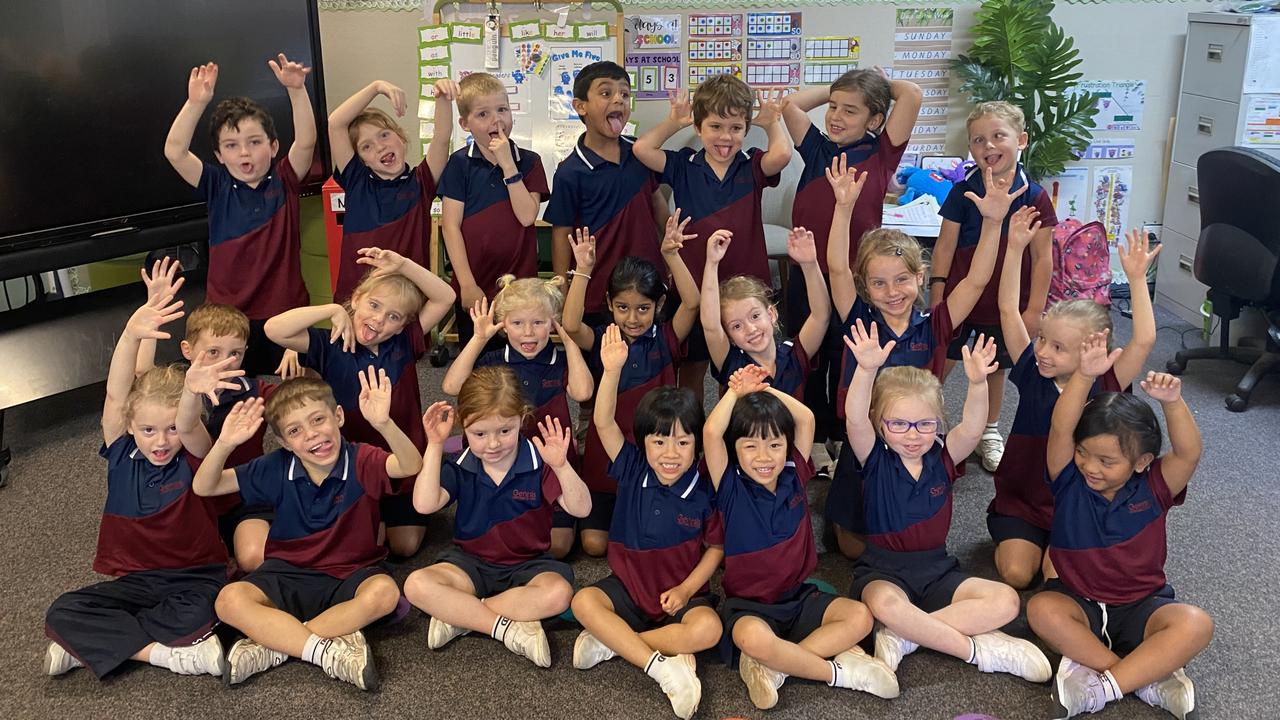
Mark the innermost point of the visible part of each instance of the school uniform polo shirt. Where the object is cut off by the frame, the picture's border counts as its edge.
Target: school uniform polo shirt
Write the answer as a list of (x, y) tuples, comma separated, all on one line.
[(768, 539), (792, 365), (254, 244), (390, 214), (923, 344), (1022, 482), (614, 200), (959, 209), (905, 514), (815, 203), (658, 532), (496, 242), (331, 527), (341, 369), (1111, 551), (714, 204), (544, 378), (215, 415), (152, 520), (504, 523)]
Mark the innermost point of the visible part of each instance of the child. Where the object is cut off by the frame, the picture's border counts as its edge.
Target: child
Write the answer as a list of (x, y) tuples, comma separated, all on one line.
[(997, 134), (159, 540), (254, 244), (1021, 513), (665, 542), (603, 187), (719, 187), (636, 295), (388, 204), (741, 324), (781, 624), (376, 328), (491, 191), (323, 579), (883, 288), (905, 575), (1110, 612), (498, 578)]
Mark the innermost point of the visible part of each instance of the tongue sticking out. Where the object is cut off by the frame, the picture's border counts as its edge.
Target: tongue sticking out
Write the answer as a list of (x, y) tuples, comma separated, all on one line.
[(615, 122)]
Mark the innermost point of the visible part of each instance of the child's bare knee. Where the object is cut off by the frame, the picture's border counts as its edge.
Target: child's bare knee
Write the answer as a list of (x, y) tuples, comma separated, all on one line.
[(420, 585), (752, 636), (585, 601), (559, 593), (704, 628), (595, 544), (1005, 603), (380, 594), (233, 601)]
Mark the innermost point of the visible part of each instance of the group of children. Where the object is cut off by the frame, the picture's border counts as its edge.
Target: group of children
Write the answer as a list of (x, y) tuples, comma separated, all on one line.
[(667, 493)]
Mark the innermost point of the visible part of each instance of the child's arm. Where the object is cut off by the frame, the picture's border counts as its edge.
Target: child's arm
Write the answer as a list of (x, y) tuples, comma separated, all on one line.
[(714, 451), (161, 282), (341, 117), (1136, 257), (293, 76), (575, 301), (553, 446), (1022, 228), (993, 206), (683, 319), (580, 383), (438, 148), (242, 423), (1041, 273), (289, 328), (944, 251), (144, 324), (648, 147), (613, 356), (796, 112), (803, 252), (428, 496), (177, 145), (1185, 443), (1094, 361), (203, 379), (485, 330), (806, 424), (375, 406), (846, 185), (676, 598), (439, 294), (907, 98), (978, 364), (451, 214), (709, 312), (857, 403), (562, 252), (778, 153), (524, 203)]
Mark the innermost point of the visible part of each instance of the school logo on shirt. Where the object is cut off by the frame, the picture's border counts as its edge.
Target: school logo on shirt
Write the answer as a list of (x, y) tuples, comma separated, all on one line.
[(170, 487), (937, 490), (407, 195), (1138, 507), (919, 347), (337, 499), (550, 384), (524, 495), (689, 522), (795, 500)]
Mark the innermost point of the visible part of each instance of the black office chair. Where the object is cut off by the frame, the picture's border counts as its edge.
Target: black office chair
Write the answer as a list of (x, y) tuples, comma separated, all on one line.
[(1238, 256)]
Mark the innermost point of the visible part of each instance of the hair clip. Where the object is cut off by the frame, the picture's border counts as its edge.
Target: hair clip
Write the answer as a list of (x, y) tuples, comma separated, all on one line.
[(897, 251)]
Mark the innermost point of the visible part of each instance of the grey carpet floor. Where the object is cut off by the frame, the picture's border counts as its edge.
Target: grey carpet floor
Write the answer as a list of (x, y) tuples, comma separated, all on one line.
[(1218, 559)]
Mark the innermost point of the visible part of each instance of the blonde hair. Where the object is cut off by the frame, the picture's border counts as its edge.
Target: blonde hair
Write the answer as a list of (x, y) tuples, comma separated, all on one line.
[(1006, 111), (475, 86), (217, 320), (523, 293), (1093, 317), (401, 287), (295, 393), (896, 383), (492, 390), (884, 242), (376, 118), (725, 95), (745, 287), (162, 385)]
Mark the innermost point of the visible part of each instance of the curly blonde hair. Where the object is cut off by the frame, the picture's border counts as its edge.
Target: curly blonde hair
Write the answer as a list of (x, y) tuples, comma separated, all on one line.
[(523, 293)]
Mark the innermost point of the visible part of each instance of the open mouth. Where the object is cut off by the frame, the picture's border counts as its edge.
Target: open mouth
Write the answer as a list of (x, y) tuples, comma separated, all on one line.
[(367, 334), (388, 160), (634, 330), (162, 455), (322, 449), (723, 151), (765, 471), (616, 122), (528, 348), (993, 160), (669, 469), (246, 168)]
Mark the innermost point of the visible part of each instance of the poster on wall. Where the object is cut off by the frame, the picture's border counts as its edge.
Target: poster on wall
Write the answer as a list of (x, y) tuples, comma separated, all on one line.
[(1069, 192), (653, 74), (1120, 103), (1111, 188), (703, 25), (1262, 120), (1109, 148), (647, 32), (565, 63), (922, 53)]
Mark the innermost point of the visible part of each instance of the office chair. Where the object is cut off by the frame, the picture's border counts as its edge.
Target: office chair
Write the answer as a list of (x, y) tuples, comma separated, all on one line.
[(1237, 256)]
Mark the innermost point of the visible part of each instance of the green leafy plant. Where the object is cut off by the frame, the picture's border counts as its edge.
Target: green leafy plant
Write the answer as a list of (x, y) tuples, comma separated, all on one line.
[(1021, 56)]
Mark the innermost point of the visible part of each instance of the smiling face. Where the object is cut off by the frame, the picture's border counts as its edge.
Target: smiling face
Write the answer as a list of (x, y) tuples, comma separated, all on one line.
[(493, 439), (912, 444), (528, 330), (848, 119), (381, 149), (488, 115), (722, 136), (891, 286), (1105, 465), (633, 313), (246, 151), (671, 456), (313, 432), (154, 428), (377, 316), (216, 348), (607, 107), (749, 324), (995, 144), (1057, 347)]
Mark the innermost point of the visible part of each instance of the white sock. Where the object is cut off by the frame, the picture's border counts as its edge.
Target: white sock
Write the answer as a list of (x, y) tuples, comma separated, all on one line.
[(993, 428), (500, 626), (836, 672), (1110, 687), (657, 666), (973, 652), (160, 655), (313, 652)]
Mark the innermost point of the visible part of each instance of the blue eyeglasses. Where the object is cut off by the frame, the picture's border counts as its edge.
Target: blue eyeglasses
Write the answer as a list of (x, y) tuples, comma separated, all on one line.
[(924, 427)]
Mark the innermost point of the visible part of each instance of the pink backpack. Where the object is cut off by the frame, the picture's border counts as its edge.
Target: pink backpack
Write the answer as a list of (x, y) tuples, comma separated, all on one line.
[(1081, 263)]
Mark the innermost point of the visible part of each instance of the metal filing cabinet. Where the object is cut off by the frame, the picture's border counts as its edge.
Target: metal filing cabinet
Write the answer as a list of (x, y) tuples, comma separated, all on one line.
[(1231, 65)]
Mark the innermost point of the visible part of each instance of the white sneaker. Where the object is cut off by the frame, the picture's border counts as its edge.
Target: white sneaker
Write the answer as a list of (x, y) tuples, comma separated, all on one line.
[(440, 633), (862, 672), (203, 658), (589, 652), (1174, 693), (248, 658), (997, 652), (892, 647), (681, 684), (991, 449), (58, 661), (762, 682), (1076, 689), (529, 640), (351, 663), (357, 639)]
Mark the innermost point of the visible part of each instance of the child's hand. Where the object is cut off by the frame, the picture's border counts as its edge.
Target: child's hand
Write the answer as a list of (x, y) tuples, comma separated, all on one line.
[(1023, 227), (201, 83), (392, 93), (674, 238), (584, 249), (718, 245), (749, 379), (994, 204), (340, 319), (1136, 257), (242, 422), (772, 103), (846, 182), (613, 350), (866, 346), (146, 321), (1094, 359), (375, 396), (681, 108), (289, 366), (981, 362), (801, 248), (501, 150), (207, 378), (384, 262), (161, 282), (290, 74), (437, 421), (553, 444), (446, 89), (482, 318), (1162, 387), (673, 600)]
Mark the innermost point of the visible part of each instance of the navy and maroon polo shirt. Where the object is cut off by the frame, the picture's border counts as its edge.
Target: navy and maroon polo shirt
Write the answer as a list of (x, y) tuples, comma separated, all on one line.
[(902, 513), (959, 209), (652, 360), (390, 214), (152, 519), (791, 366), (331, 527), (496, 242), (1111, 551), (614, 200), (342, 369), (923, 344), (503, 523), (254, 244), (768, 539), (714, 204), (1022, 482), (544, 377), (659, 532), (815, 203), (215, 415)]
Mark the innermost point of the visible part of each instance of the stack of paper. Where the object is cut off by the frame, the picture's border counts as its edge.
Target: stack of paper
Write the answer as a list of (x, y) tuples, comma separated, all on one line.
[(921, 211)]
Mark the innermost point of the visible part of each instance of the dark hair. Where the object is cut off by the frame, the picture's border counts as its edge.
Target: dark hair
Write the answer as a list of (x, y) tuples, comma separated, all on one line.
[(662, 407), (1131, 420), (875, 89), (605, 69), (759, 414), (232, 111), (633, 273)]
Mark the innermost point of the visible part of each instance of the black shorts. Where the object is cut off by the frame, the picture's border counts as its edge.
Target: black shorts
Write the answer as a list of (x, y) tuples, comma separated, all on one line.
[(929, 577), (793, 617), (640, 621), (230, 520), (305, 593), (261, 356), (1120, 627), (600, 518), (972, 330), (398, 511), (844, 499), (490, 579), (1008, 527)]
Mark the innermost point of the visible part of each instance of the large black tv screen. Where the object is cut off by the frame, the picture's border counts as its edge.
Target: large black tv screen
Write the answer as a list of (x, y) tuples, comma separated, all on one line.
[(88, 89)]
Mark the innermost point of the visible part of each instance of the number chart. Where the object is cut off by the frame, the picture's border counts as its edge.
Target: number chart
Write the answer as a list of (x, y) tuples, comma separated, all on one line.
[(780, 48), (773, 23), (699, 74), (831, 48), (826, 73), (773, 74), (715, 50), (715, 25)]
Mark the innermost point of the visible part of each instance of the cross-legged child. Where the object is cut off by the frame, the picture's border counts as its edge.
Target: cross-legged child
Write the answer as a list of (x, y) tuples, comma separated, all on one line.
[(498, 579), (757, 443), (665, 541)]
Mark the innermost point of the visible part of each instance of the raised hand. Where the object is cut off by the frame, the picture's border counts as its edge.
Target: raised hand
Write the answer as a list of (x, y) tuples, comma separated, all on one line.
[(384, 262), (718, 245), (340, 319), (375, 396), (772, 103), (482, 316), (801, 248), (674, 238), (1162, 387), (553, 442), (146, 321), (681, 108), (501, 150), (673, 600), (981, 361), (613, 350), (392, 93), (994, 204), (290, 74), (1136, 256), (242, 422), (289, 366), (163, 279), (749, 379), (207, 378), (584, 249), (866, 347), (201, 83), (446, 89), (1023, 227), (1094, 358), (437, 422), (846, 182)]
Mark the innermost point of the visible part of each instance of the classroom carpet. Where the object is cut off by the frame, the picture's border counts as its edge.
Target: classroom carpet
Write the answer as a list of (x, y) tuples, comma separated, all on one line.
[(1217, 559)]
